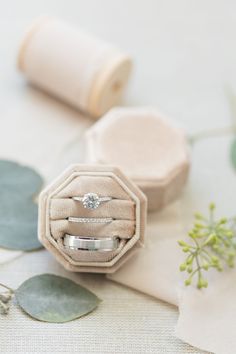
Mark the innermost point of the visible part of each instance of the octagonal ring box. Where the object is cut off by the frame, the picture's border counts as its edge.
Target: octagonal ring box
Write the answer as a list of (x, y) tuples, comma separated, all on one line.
[(126, 208), (147, 147)]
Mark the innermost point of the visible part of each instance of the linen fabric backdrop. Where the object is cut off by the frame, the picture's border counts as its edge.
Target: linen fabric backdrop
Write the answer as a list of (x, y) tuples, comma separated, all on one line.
[(184, 55)]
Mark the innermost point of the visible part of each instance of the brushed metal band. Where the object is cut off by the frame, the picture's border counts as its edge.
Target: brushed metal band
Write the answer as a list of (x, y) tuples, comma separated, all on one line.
[(91, 243)]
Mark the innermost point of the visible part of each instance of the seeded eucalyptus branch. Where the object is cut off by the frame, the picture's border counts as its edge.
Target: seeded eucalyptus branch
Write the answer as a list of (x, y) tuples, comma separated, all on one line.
[(212, 244)]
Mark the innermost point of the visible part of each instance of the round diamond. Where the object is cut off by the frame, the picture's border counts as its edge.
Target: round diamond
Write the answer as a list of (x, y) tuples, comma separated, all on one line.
[(91, 201)]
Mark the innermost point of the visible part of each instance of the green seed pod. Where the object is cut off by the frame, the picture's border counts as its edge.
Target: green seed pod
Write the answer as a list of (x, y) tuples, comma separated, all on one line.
[(198, 216), (182, 267), (205, 266), (186, 249), (182, 243), (189, 269), (212, 206), (187, 282), (189, 260)]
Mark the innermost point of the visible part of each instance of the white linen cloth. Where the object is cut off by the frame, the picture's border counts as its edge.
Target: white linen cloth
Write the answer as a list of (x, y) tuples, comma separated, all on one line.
[(7, 255), (207, 317)]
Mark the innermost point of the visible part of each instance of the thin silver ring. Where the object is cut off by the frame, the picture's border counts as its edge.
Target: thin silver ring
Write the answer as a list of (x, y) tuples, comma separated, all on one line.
[(91, 200), (91, 243), (90, 220)]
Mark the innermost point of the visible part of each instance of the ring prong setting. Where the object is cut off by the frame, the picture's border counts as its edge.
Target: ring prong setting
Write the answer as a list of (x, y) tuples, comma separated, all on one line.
[(91, 201)]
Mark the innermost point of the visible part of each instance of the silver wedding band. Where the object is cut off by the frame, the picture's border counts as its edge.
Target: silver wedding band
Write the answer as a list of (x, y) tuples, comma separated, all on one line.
[(91, 243), (90, 220), (91, 200)]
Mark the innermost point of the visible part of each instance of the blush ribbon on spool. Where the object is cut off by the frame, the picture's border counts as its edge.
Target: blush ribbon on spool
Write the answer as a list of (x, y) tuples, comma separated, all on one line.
[(74, 66)]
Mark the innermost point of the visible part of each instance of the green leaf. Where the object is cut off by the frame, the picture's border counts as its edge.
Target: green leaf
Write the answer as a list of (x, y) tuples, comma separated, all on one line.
[(18, 211), (51, 298), (233, 153)]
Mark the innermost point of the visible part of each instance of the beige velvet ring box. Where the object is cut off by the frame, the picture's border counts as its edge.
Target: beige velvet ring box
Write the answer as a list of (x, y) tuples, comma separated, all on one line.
[(125, 210), (74, 66), (150, 150)]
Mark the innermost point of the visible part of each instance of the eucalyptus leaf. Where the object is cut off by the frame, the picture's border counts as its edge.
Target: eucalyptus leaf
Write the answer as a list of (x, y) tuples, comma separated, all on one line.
[(51, 298), (18, 212), (233, 153)]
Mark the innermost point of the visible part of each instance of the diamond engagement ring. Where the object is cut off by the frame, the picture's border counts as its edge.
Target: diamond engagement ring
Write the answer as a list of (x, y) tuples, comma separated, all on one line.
[(91, 243), (91, 200)]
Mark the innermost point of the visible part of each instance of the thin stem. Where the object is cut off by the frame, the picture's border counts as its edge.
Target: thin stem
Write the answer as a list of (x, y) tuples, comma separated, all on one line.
[(223, 130), (207, 253), (211, 133), (7, 287), (194, 272), (205, 257), (199, 268), (195, 241)]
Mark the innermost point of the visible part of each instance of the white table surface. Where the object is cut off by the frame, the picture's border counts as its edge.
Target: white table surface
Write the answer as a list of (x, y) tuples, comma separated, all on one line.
[(184, 56)]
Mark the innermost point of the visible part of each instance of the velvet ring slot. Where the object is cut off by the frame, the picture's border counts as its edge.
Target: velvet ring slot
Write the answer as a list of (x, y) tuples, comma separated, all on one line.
[(92, 218)]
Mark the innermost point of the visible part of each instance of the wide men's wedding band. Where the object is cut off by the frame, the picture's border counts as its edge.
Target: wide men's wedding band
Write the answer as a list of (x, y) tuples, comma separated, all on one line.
[(91, 200), (91, 243)]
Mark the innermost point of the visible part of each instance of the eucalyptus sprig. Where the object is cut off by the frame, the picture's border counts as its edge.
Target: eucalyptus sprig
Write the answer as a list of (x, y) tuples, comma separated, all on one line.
[(212, 245), (50, 298)]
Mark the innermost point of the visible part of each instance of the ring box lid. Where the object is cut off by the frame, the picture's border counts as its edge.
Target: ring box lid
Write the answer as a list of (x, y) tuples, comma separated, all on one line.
[(146, 146)]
